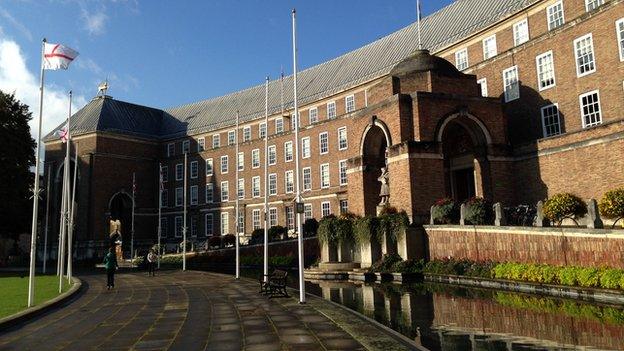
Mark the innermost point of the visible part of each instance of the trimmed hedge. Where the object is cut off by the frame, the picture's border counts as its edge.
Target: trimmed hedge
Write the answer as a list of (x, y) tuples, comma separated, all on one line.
[(564, 205), (612, 204)]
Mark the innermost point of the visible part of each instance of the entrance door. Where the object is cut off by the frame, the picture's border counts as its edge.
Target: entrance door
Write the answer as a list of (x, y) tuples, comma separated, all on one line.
[(463, 184)]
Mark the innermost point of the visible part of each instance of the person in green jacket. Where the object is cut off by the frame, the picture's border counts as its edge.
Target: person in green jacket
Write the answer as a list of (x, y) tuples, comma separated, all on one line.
[(110, 263)]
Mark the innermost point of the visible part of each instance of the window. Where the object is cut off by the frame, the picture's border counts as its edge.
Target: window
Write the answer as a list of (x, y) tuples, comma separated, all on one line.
[(555, 15), (262, 130), (193, 194), (289, 182), (325, 209), (325, 175), (350, 103), (342, 138), (216, 141), (272, 217), (193, 226), (331, 110), (305, 147), (170, 149), (165, 173), (194, 169), (290, 218), (255, 158), (584, 53), (307, 179), (272, 155), (163, 227), (521, 32), (483, 86), (619, 28), (288, 151), (307, 211), (342, 166), (164, 198), (591, 5), (241, 161), (231, 137), (209, 193), (590, 109), (240, 228), (246, 133), (201, 144), (323, 143), (225, 191), (550, 120), (255, 186), (545, 71), (179, 196), (293, 121), (461, 59), (272, 184), (178, 226), (209, 168), (180, 171), (209, 230), (511, 86), (224, 164), (279, 125), (255, 219), (313, 115), (344, 206), (241, 188), (186, 146), (225, 223), (489, 47)]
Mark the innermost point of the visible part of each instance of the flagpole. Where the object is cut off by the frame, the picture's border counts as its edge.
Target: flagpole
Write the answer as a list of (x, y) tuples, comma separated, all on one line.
[(282, 88), (47, 220), (418, 14), (33, 236), (266, 181), (70, 230), (66, 173), (184, 224), (237, 201), (62, 220), (298, 196), (132, 225), (160, 192)]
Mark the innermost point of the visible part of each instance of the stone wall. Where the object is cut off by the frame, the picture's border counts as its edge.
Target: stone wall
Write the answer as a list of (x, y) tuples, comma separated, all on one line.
[(558, 246)]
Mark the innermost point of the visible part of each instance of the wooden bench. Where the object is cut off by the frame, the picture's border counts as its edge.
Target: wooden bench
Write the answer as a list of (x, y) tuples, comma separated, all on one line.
[(274, 284)]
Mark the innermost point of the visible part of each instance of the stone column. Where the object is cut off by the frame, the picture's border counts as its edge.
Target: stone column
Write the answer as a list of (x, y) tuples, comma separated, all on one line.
[(388, 246), (411, 244), (406, 309), (499, 215), (328, 252), (540, 221), (462, 214), (368, 300), (345, 253), (593, 215)]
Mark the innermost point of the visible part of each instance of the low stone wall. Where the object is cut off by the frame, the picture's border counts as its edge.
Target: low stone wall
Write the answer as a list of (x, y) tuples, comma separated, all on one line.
[(557, 246)]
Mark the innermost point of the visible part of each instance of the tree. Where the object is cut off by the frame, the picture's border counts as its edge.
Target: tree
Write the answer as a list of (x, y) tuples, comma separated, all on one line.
[(17, 156)]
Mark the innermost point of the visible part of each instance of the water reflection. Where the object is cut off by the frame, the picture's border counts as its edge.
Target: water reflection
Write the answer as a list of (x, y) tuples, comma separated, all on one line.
[(441, 317)]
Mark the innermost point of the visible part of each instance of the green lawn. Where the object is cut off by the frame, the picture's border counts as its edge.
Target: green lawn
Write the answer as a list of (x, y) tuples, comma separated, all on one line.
[(14, 292)]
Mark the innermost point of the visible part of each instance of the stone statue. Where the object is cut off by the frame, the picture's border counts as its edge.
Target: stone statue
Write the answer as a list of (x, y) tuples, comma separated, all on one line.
[(385, 190)]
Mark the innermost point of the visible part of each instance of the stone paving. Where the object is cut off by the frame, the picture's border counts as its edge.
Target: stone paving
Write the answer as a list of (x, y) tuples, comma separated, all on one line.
[(180, 311)]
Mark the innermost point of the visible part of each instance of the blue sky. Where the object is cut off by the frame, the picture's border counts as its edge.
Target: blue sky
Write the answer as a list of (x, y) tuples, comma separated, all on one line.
[(167, 53)]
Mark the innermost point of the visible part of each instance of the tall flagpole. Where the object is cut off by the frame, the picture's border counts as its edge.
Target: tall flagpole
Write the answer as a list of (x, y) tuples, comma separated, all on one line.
[(33, 236), (66, 173), (61, 224), (282, 88), (418, 14), (184, 224), (132, 225), (47, 220), (266, 181), (160, 192), (70, 228), (298, 190), (237, 200)]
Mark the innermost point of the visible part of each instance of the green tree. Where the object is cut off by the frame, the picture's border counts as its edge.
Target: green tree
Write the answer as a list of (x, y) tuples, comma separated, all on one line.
[(17, 156)]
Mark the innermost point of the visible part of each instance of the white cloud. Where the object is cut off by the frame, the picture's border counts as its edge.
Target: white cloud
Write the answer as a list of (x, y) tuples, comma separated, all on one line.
[(94, 22), (16, 78)]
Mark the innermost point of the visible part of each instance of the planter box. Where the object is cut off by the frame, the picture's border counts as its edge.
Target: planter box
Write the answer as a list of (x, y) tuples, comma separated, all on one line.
[(362, 276)]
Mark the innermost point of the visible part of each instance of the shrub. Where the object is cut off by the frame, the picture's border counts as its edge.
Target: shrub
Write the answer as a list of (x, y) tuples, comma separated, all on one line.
[(277, 232), (564, 205), (478, 211), (387, 263), (393, 224), (610, 278), (387, 209), (214, 242), (367, 229), (343, 227), (257, 236), (445, 211), (409, 266), (228, 240), (612, 204), (310, 226), (327, 230), (567, 275), (588, 277)]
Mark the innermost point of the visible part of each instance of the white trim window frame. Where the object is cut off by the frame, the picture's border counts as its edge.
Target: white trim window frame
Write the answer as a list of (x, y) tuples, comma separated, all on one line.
[(306, 151), (272, 155), (342, 172), (272, 184), (179, 174), (289, 182), (194, 169), (325, 209), (545, 65), (350, 103), (461, 59), (262, 130), (555, 15), (209, 193), (164, 198), (619, 29), (179, 196), (273, 219), (209, 167), (293, 121), (225, 164), (225, 191), (483, 87), (255, 187), (288, 151), (164, 225), (255, 219), (186, 146), (331, 110), (521, 32), (313, 115), (325, 176), (216, 141), (241, 161), (584, 55), (178, 223), (323, 143), (170, 149), (591, 114), (241, 188), (201, 144), (343, 142), (591, 5), (164, 170), (279, 125), (307, 178), (194, 195), (511, 84), (225, 223), (255, 158), (490, 48), (307, 211), (231, 137), (246, 133), (209, 224), (551, 122)]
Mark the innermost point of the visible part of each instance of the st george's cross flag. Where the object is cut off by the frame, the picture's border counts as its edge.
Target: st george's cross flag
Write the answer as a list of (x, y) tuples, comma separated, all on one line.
[(62, 134), (57, 56)]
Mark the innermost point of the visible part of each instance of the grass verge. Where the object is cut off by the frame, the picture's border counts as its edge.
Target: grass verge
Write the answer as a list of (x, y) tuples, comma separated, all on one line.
[(14, 291)]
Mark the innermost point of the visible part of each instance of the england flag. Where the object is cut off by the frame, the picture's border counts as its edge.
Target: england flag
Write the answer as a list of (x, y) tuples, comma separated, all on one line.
[(57, 56)]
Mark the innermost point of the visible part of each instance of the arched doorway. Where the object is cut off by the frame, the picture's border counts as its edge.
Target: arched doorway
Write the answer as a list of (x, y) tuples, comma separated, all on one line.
[(464, 144), (374, 145), (120, 209)]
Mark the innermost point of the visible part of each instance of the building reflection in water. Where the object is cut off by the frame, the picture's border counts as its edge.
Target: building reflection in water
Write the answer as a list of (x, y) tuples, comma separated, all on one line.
[(440, 317)]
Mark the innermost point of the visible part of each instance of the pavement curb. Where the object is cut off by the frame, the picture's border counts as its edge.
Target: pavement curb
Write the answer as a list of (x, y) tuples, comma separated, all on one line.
[(30, 313)]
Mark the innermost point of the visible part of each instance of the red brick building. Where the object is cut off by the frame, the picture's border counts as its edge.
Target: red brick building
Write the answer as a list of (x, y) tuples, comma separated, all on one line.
[(516, 94)]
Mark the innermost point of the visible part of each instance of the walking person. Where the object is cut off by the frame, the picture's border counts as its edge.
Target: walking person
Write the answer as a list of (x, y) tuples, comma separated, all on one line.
[(151, 262), (110, 263)]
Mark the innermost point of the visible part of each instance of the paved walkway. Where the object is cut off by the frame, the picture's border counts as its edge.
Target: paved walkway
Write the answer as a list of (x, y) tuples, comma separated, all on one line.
[(179, 311)]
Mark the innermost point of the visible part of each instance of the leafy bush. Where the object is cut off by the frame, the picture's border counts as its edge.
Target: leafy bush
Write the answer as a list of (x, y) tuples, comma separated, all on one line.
[(214, 242), (277, 232), (387, 209), (393, 224), (327, 230), (367, 229), (310, 226), (567, 276), (228, 240), (562, 206), (386, 264), (273, 260), (409, 266), (445, 211), (257, 236), (344, 229), (612, 204), (478, 211), (611, 278)]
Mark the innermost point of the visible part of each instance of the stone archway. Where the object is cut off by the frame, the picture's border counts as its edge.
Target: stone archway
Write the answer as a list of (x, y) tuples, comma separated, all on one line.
[(120, 209), (375, 142)]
